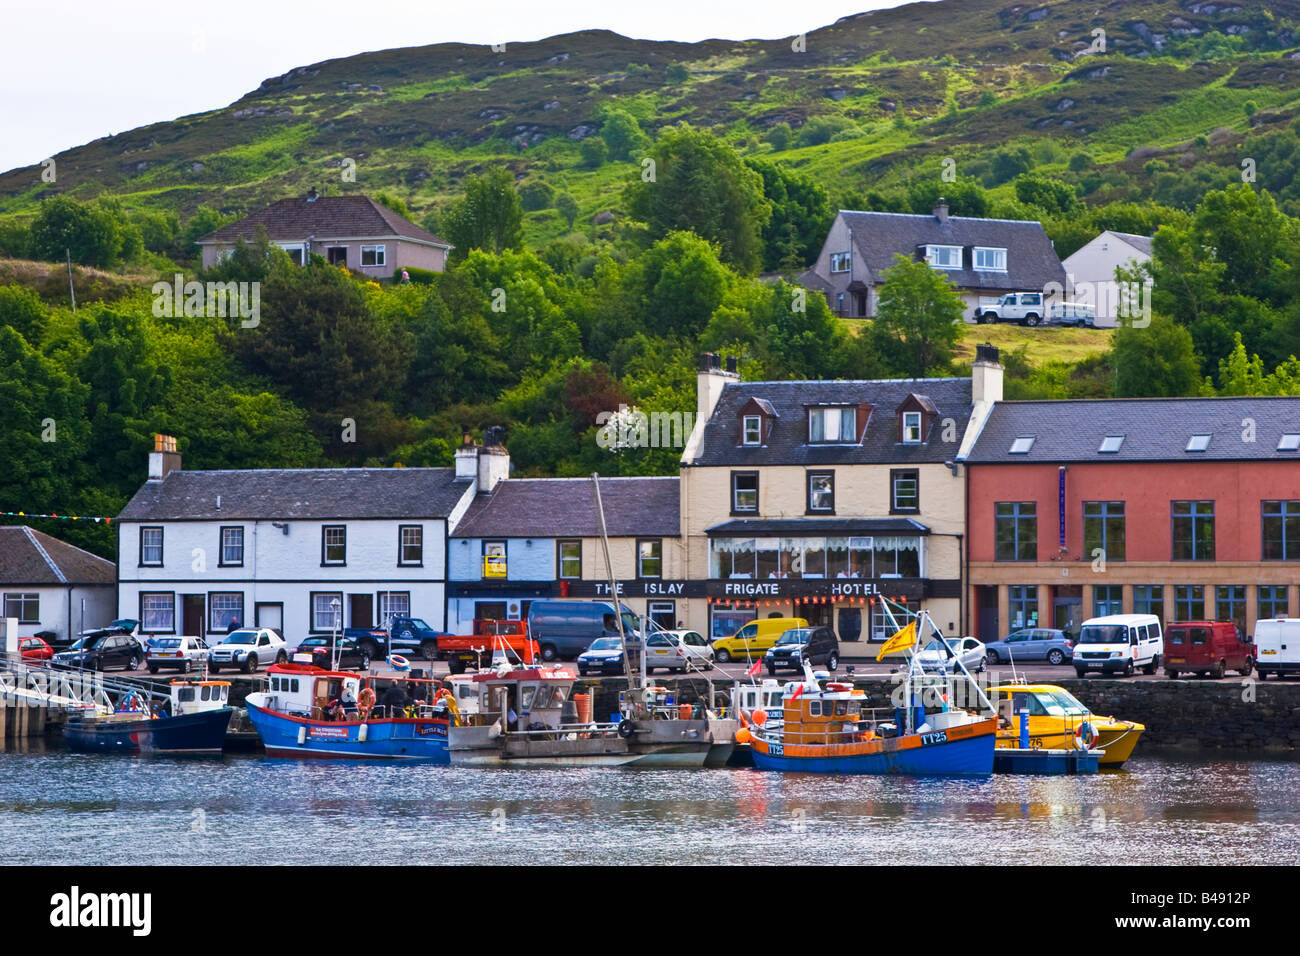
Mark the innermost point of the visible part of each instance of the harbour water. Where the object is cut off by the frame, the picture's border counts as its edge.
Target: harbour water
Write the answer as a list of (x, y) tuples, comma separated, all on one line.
[(63, 808)]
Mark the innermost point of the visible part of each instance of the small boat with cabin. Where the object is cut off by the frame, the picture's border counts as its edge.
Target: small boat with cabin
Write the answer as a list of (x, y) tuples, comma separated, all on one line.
[(1056, 720), (192, 721)]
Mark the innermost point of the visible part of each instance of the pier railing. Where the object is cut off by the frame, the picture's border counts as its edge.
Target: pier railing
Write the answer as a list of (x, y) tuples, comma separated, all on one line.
[(68, 689)]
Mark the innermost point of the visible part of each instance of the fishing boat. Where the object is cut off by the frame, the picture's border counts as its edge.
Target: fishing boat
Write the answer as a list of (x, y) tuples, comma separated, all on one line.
[(1057, 720), (194, 722), (310, 711)]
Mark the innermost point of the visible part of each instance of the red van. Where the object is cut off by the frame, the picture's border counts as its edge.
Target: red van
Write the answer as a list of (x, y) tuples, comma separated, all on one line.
[(1207, 647)]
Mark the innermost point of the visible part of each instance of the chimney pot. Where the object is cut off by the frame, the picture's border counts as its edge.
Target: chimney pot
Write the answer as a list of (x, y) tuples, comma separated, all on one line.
[(941, 210), (731, 363)]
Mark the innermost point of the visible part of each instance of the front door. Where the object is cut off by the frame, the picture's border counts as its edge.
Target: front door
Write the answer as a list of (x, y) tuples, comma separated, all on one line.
[(1067, 614), (192, 614), (361, 610), (987, 614), (815, 614)]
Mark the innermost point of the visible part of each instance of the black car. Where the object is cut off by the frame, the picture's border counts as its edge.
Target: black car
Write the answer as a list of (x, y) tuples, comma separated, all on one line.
[(350, 653), (102, 652), (816, 645)]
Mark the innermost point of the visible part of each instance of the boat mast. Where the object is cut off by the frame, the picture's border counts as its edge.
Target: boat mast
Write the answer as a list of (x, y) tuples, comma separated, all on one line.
[(635, 680)]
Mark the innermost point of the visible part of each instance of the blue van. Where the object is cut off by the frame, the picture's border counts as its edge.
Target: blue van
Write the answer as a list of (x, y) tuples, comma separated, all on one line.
[(564, 629)]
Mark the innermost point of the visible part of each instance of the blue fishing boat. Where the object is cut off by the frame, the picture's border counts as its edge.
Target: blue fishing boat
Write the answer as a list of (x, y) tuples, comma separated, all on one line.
[(313, 712), (195, 723)]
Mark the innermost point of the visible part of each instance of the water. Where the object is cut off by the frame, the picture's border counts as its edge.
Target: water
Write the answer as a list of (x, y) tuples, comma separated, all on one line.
[(57, 807)]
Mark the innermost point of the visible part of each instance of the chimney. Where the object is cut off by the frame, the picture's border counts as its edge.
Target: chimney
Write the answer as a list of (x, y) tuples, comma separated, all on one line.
[(164, 458), (941, 210), (986, 375), (493, 460), (466, 456), (709, 382)]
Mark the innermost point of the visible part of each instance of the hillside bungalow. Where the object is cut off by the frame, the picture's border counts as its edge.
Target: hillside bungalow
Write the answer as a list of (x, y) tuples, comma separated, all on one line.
[(351, 231), (49, 585), (983, 257), (1090, 271)]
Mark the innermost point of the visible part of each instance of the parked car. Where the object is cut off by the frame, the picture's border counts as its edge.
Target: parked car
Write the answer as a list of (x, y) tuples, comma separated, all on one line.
[(816, 645), (1207, 648), (102, 652), (697, 647), (35, 649), (1119, 643), (1031, 644), (125, 625), (754, 638), (564, 629), (248, 648), (181, 653), (351, 654), (409, 636), (605, 656), (935, 657), (1025, 308), (1278, 643)]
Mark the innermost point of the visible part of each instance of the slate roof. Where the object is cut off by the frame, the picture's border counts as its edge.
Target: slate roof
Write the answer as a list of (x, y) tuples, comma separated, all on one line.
[(32, 557), (787, 441), (1141, 243), (288, 493), (759, 527), (1031, 260), (324, 218), (566, 508), (1154, 430)]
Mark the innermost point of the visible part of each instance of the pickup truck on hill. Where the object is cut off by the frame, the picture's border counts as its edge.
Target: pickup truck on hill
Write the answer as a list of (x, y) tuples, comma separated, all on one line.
[(1029, 308), (408, 636), (476, 650)]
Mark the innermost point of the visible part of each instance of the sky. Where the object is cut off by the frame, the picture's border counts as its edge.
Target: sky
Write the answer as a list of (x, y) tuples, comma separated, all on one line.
[(72, 72)]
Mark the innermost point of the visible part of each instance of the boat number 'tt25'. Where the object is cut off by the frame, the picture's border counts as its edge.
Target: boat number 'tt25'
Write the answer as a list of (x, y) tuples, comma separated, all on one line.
[(939, 738)]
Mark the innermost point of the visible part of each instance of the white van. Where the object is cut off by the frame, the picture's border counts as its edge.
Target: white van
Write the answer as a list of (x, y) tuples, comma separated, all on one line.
[(1120, 642), (1277, 645)]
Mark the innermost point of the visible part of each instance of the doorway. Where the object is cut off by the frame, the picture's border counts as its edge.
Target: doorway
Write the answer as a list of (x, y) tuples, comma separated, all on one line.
[(1067, 608), (815, 614), (193, 608), (361, 610), (986, 598)]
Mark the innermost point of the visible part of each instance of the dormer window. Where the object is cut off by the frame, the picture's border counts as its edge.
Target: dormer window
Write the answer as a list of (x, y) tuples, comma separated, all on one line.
[(943, 257), (989, 259), (752, 430), (841, 261), (911, 428), (826, 425)]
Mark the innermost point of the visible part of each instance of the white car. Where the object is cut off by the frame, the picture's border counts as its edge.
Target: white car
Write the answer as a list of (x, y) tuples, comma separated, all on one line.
[(934, 657), (248, 648), (182, 653), (677, 651)]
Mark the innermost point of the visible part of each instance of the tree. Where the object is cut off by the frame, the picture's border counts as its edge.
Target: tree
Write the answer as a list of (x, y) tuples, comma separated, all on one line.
[(702, 185), (396, 203), (801, 215), (594, 152), (964, 198), (536, 194), (1155, 361), (22, 309), (1050, 195), (89, 233), (567, 207), (676, 284), (205, 220), (489, 216), (918, 320), (1009, 163), (622, 134)]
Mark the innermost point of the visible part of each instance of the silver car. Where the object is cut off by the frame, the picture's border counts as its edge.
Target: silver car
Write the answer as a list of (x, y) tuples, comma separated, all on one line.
[(935, 657), (678, 650)]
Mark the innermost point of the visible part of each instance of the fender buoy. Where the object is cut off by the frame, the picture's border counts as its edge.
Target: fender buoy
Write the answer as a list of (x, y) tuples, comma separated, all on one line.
[(1086, 736), (742, 735), (398, 663), (626, 728)]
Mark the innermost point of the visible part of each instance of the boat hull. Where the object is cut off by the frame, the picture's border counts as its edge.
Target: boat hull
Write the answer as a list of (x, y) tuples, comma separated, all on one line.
[(1116, 741), (957, 752), (201, 733), (283, 735)]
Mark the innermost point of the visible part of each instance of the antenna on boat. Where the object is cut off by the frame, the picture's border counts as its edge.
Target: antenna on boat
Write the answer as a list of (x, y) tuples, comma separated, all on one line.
[(635, 681)]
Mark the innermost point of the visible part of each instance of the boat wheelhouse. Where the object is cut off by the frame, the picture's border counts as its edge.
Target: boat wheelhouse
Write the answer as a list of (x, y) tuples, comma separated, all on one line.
[(193, 721)]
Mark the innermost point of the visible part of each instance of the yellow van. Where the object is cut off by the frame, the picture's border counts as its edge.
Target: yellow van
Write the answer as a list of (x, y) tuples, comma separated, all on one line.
[(754, 638)]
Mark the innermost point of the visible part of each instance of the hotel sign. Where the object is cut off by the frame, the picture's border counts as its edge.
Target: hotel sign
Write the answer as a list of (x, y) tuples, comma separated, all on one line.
[(644, 588), (802, 587)]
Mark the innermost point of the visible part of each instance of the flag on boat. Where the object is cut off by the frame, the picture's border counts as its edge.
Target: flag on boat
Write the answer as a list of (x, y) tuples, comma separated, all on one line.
[(755, 668), (903, 639)]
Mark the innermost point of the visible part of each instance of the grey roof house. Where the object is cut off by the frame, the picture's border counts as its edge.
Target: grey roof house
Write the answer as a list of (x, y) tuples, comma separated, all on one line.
[(50, 585)]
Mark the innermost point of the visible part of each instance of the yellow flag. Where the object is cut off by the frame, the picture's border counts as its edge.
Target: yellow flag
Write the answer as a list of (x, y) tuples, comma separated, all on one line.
[(904, 638)]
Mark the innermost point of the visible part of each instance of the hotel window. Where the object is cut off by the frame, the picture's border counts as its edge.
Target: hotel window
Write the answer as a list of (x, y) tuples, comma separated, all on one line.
[(1016, 530), (1107, 599), (1230, 604), (333, 544), (223, 608), (1022, 605), (832, 425), (911, 428), (943, 257), (1281, 530), (1189, 602), (393, 604), (1149, 599), (373, 256), (733, 558), (744, 492), (494, 559), (232, 548), (649, 557), (1193, 530), (1273, 601), (157, 611), (151, 547), (24, 606), (569, 559), (987, 259), (821, 492), (904, 491), (325, 616), (663, 613), (841, 261), (897, 557), (753, 430), (1103, 529), (410, 545)]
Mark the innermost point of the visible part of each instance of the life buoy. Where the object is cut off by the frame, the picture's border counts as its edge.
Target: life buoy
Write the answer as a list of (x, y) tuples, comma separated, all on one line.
[(398, 663), (1086, 736), (366, 701)]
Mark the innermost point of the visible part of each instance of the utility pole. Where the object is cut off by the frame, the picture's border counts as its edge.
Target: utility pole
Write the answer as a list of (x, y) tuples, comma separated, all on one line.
[(71, 291)]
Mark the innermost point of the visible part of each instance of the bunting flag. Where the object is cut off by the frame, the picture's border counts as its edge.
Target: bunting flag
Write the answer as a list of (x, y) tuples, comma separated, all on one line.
[(900, 641), (28, 514), (757, 666)]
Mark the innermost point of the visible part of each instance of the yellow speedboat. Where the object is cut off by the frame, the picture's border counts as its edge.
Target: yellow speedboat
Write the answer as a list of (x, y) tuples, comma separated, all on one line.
[(1055, 719)]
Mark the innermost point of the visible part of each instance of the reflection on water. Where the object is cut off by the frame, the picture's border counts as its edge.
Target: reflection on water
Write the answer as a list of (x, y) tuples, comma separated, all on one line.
[(57, 807)]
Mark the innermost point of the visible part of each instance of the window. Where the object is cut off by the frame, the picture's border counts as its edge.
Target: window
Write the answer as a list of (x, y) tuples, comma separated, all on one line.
[(987, 259), (663, 613), (1016, 526), (1230, 604), (410, 545), (1273, 601), (1189, 602), (333, 544), (1103, 529), (232, 548), (1289, 442), (494, 559), (373, 256), (649, 557), (326, 611), (841, 261), (569, 558), (26, 607), (911, 428), (393, 604), (744, 492), (1281, 530), (943, 257), (1022, 603), (1198, 443), (1149, 599), (1107, 599), (832, 425), (821, 492), (904, 491), (157, 611), (223, 608), (1110, 444), (1022, 445), (1193, 530), (151, 547), (752, 429)]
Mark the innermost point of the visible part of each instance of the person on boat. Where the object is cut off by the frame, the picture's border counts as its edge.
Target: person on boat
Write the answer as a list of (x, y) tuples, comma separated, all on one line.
[(394, 699)]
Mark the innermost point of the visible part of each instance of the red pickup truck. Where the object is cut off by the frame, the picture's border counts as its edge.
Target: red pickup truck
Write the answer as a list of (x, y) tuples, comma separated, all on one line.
[(489, 637)]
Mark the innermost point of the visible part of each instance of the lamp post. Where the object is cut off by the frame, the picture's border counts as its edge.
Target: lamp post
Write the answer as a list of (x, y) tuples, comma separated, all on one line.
[(334, 650)]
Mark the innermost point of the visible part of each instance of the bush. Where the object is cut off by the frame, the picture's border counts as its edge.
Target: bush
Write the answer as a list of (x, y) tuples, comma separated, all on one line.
[(780, 136), (536, 194), (821, 129), (678, 73), (418, 276), (594, 152)]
